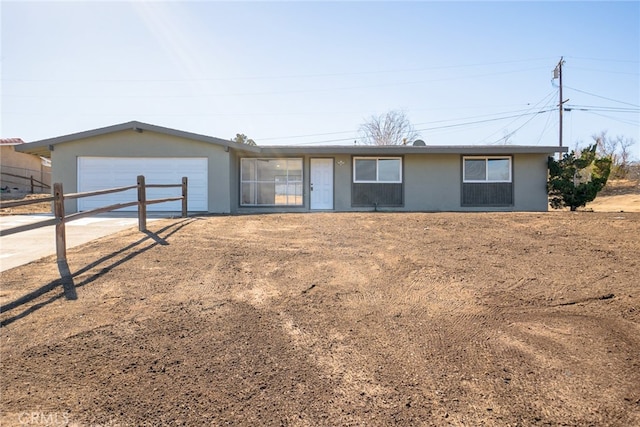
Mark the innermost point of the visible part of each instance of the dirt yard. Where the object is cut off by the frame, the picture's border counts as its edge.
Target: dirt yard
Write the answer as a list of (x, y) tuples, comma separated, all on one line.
[(617, 196), (27, 209), (330, 319)]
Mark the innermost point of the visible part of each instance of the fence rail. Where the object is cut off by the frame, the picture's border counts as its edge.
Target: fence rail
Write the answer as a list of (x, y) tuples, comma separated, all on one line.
[(60, 218), (71, 196), (33, 182), (4, 205)]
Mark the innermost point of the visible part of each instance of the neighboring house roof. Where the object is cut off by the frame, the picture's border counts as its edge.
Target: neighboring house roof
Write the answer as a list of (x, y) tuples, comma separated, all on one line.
[(45, 146), (11, 141)]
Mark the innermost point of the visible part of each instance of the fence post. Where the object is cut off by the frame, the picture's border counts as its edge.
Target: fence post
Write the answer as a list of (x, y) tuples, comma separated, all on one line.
[(184, 197), (32, 184), (61, 244), (142, 204), (58, 208)]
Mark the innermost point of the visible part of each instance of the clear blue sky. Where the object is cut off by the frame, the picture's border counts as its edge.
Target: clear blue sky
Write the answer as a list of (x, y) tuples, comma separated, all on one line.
[(278, 72)]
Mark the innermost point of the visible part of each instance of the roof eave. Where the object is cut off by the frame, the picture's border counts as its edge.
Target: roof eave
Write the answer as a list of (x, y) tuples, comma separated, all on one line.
[(45, 146), (403, 150)]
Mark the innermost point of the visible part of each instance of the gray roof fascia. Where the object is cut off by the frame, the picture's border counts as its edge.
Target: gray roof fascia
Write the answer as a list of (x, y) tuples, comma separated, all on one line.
[(406, 149), (42, 146), (198, 137)]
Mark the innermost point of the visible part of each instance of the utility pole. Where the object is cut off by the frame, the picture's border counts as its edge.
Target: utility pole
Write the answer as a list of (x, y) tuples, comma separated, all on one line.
[(557, 74)]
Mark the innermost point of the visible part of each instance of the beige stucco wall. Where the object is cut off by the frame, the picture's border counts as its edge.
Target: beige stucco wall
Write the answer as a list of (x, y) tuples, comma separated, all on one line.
[(25, 165), (530, 182), (129, 143), (432, 182)]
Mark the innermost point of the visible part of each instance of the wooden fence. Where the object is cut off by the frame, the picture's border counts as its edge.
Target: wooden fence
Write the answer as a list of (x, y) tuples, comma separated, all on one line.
[(33, 182), (60, 218)]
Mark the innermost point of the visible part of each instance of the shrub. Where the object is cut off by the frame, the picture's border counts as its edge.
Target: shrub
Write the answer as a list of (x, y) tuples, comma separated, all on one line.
[(575, 181)]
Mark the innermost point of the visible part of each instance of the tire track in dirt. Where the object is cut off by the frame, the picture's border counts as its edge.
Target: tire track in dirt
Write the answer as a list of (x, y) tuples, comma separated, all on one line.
[(354, 319)]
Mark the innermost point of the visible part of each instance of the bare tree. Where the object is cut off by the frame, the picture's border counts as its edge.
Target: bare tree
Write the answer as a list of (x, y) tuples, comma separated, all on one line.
[(618, 149), (392, 128)]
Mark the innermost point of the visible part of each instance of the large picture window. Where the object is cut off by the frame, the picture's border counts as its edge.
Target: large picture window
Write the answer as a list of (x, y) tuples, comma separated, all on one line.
[(271, 182), (377, 169), (487, 169)]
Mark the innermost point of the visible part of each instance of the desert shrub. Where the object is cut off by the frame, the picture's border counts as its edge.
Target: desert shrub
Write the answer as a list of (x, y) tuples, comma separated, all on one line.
[(576, 180)]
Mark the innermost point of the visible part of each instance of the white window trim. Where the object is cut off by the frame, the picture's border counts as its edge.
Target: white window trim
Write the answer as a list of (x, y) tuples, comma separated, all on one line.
[(377, 181), (258, 181), (486, 159)]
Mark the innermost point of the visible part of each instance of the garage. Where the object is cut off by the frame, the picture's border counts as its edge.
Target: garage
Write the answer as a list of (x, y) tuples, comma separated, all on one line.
[(98, 173)]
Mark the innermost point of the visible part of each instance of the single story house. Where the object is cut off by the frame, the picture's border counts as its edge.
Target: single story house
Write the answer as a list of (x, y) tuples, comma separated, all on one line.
[(229, 178)]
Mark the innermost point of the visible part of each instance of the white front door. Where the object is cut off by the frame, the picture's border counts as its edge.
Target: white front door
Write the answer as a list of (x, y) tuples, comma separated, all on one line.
[(321, 185)]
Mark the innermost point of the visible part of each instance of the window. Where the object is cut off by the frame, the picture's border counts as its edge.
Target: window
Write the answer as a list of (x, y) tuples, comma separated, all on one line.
[(377, 169), (487, 169), (271, 182), (487, 181)]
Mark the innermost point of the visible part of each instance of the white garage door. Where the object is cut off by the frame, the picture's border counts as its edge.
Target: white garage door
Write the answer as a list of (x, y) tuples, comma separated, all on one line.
[(99, 173)]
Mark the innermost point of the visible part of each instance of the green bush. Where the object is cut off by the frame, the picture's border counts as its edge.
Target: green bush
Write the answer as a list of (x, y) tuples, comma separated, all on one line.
[(575, 181)]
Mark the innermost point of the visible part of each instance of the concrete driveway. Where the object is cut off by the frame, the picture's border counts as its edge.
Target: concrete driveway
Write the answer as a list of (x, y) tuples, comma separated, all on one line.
[(24, 247)]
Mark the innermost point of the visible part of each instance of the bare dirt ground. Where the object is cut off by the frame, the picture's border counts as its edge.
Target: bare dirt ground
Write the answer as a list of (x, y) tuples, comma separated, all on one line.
[(28, 209), (331, 319), (334, 319), (618, 196)]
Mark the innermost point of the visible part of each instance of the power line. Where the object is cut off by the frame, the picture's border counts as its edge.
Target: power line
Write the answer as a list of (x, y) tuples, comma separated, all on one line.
[(456, 125), (305, 136), (604, 59), (476, 117), (521, 126), (571, 107), (416, 124), (545, 109), (603, 97), (605, 71), (545, 128), (626, 122), (545, 100), (273, 92), (484, 121), (278, 77)]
